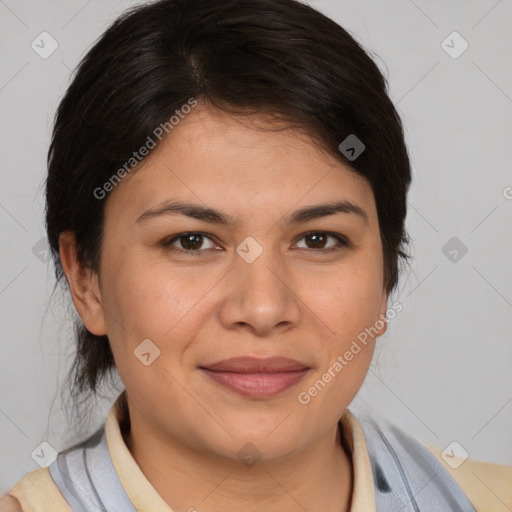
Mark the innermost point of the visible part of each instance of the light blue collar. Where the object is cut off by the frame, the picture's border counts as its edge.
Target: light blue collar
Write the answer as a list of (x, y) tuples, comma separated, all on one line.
[(407, 477)]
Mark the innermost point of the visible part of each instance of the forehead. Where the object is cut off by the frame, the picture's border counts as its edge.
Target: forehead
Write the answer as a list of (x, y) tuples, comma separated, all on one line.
[(238, 164)]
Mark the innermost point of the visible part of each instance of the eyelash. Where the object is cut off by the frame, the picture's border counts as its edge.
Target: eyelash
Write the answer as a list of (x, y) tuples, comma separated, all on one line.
[(343, 242)]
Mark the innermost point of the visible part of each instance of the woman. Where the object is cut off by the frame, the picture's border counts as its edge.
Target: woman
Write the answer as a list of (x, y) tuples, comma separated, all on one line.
[(226, 200)]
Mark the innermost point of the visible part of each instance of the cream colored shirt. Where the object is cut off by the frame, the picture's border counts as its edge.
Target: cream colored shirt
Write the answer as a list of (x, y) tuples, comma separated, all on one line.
[(488, 486)]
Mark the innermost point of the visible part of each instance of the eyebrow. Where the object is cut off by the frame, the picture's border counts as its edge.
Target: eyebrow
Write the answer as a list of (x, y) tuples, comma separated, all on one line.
[(213, 216)]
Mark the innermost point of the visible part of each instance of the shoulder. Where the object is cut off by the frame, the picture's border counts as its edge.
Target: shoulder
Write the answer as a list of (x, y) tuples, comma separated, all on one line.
[(37, 492), (411, 467), (9, 504), (487, 485)]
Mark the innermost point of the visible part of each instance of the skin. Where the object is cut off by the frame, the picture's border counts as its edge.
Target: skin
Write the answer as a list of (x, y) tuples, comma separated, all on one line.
[(9, 504), (293, 300)]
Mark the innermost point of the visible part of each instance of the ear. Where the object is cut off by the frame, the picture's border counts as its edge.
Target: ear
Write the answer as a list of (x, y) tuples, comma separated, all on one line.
[(381, 319), (83, 284)]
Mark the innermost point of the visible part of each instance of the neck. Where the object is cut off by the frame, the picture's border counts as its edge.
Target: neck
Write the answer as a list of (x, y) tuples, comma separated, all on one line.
[(318, 478)]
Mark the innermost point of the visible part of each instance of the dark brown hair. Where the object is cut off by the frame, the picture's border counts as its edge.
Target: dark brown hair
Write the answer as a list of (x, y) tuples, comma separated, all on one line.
[(277, 57)]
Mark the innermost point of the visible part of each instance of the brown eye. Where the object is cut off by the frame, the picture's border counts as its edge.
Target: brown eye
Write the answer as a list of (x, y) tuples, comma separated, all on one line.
[(192, 243), (316, 240), (189, 242)]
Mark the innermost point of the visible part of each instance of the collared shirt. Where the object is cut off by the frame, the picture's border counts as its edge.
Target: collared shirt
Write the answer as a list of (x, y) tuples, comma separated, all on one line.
[(488, 486)]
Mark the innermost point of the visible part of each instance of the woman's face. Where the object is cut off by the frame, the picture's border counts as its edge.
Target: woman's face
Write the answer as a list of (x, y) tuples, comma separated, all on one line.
[(259, 286)]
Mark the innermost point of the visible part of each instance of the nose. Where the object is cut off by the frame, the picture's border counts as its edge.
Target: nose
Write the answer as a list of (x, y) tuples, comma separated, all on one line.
[(261, 296)]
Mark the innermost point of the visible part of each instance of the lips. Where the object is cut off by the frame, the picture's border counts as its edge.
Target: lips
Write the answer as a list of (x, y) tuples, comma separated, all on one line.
[(256, 378), (248, 364)]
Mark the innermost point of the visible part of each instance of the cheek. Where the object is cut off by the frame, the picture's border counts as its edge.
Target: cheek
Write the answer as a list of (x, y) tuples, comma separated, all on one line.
[(347, 299), (145, 301), (348, 305), (150, 300)]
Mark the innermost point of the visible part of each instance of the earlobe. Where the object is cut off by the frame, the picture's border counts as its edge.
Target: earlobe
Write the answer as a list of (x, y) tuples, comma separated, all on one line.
[(382, 321), (83, 284)]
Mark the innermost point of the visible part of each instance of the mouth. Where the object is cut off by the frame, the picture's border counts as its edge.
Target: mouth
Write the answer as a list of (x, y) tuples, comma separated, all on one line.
[(257, 378)]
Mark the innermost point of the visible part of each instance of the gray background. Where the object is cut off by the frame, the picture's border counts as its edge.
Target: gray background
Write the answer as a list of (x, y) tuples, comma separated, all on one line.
[(442, 371)]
